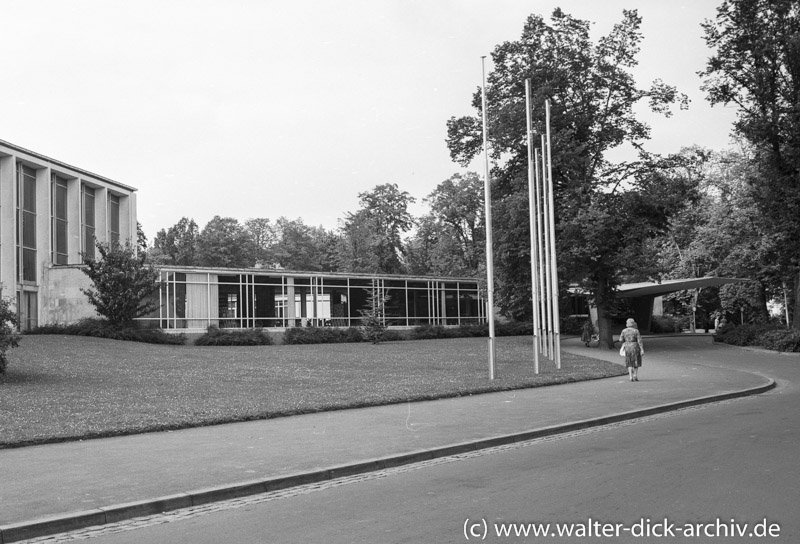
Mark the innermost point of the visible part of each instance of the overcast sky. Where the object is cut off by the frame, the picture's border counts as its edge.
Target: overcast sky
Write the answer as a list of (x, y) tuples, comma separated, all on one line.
[(264, 108)]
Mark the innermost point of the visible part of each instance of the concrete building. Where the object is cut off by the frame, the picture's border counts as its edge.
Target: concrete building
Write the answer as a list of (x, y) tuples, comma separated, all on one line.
[(50, 215)]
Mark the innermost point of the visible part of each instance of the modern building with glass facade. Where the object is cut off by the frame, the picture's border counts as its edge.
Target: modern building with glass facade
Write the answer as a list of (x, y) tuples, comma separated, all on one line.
[(192, 299), (50, 215)]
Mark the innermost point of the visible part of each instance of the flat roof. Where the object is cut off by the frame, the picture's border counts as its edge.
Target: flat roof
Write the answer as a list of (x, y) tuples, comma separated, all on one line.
[(306, 273), (670, 286), (44, 158)]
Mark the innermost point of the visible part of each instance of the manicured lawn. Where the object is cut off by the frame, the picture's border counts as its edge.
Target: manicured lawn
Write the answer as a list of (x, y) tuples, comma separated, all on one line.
[(67, 387)]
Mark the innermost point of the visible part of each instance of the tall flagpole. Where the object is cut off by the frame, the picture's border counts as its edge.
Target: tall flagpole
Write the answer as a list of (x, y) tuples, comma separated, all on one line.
[(554, 274), (531, 212), (540, 253), (488, 214), (548, 268)]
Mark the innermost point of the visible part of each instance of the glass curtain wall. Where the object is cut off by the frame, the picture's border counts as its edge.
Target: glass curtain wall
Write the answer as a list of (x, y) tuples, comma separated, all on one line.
[(198, 299)]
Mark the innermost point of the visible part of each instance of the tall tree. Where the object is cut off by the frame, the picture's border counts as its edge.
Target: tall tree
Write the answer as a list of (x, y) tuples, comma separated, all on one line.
[(605, 210), (224, 243), (372, 236), (756, 66), (263, 236), (457, 206), (301, 247), (177, 245)]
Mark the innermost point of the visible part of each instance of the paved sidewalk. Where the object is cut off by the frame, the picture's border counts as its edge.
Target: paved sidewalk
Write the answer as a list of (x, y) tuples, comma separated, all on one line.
[(54, 488)]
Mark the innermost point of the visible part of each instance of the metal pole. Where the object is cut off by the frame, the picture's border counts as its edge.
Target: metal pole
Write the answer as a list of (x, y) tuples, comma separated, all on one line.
[(556, 324), (531, 213), (540, 250), (548, 269), (488, 215)]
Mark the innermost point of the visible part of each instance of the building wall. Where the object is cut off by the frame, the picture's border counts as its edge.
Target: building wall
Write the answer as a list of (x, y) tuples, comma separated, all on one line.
[(52, 293), (63, 301)]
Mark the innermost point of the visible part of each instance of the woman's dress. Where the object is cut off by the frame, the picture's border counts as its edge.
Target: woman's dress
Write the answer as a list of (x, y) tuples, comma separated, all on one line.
[(632, 342)]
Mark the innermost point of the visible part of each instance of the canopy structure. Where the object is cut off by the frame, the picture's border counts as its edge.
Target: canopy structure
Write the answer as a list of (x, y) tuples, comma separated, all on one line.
[(670, 286), (643, 294)]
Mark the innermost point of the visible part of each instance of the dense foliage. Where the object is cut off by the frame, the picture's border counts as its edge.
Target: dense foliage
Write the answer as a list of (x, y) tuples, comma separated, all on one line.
[(122, 280), (214, 336), (755, 66), (606, 211), (760, 335), (101, 328), (9, 338)]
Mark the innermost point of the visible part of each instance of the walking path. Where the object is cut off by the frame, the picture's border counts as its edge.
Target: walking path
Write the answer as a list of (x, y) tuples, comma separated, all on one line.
[(54, 488)]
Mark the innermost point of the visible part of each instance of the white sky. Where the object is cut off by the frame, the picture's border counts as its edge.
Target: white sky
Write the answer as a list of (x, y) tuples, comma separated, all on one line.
[(264, 108)]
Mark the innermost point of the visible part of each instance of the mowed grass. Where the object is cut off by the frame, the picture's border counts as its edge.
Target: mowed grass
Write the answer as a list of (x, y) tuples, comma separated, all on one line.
[(68, 388)]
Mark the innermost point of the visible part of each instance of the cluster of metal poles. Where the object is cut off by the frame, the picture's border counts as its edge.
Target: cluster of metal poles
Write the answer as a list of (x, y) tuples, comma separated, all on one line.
[(544, 270)]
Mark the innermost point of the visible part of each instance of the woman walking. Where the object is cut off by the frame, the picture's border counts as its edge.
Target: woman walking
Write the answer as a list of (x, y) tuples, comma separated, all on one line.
[(634, 349)]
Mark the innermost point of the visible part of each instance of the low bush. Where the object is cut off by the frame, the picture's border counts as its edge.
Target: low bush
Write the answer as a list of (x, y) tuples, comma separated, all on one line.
[(662, 324), (214, 336), (101, 328), (511, 328), (9, 338), (742, 335), (572, 324), (780, 340), (322, 335), (430, 332)]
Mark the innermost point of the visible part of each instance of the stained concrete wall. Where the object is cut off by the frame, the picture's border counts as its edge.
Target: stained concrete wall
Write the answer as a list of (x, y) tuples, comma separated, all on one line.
[(63, 302)]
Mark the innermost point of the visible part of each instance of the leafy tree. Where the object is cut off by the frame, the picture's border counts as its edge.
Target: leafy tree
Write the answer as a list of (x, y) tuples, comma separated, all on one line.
[(122, 280), (457, 208), (377, 227), (301, 247), (605, 211), (177, 245), (756, 66), (223, 242), (263, 237), (9, 338)]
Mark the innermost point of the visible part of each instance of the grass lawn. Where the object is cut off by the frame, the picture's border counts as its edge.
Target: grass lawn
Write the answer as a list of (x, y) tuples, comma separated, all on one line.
[(67, 387)]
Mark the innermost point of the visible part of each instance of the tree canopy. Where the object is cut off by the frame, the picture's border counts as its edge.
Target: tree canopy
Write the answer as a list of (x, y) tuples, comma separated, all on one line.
[(605, 210), (756, 66)]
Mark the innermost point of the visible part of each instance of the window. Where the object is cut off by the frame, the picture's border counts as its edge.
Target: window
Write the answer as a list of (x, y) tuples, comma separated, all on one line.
[(113, 219), (26, 223), (60, 255), (87, 221)]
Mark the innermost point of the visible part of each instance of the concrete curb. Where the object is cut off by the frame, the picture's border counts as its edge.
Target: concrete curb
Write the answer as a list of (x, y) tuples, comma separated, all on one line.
[(72, 521)]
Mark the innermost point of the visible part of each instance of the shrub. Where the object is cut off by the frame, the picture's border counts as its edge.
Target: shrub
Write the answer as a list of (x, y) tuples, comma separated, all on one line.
[(743, 335), (661, 324), (780, 340), (572, 324), (428, 332), (9, 338), (121, 283), (214, 336), (101, 328), (514, 328), (322, 335)]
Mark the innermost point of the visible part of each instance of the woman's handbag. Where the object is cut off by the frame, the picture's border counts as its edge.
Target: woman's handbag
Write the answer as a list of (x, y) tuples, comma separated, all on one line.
[(622, 351)]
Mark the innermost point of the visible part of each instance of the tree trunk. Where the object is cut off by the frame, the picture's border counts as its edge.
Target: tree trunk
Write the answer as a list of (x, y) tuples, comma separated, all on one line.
[(603, 323), (796, 316)]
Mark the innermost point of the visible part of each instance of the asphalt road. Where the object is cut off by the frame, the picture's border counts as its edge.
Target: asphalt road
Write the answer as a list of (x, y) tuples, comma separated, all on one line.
[(720, 470)]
